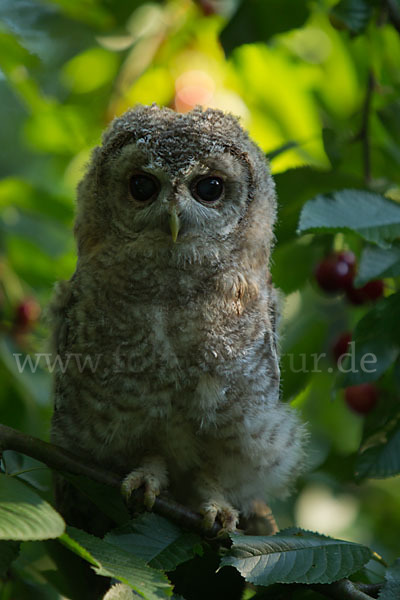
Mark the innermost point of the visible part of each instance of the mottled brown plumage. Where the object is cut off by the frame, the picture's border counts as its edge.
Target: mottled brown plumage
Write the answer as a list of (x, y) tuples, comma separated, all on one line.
[(183, 389)]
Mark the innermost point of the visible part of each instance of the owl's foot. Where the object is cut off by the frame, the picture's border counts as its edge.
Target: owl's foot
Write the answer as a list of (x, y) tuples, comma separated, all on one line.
[(152, 475), (223, 511)]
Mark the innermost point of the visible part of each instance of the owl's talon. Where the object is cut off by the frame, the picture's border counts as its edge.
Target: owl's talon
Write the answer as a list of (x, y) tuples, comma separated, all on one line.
[(225, 513), (150, 495), (143, 477)]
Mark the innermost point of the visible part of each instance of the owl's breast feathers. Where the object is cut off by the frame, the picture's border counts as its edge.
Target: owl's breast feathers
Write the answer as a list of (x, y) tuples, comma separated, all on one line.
[(193, 316), (148, 332)]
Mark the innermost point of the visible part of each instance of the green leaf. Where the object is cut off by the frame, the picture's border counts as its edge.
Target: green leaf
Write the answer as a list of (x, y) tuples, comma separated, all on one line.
[(303, 339), (257, 21), (351, 14), (332, 146), (48, 235), (156, 540), (31, 198), (281, 150), (24, 515), (390, 117), (391, 589), (119, 591), (376, 263), (304, 557), (89, 12), (8, 553), (372, 354), (370, 215), (382, 460), (106, 498), (303, 255), (296, 186), (110, 561), (13, 53)]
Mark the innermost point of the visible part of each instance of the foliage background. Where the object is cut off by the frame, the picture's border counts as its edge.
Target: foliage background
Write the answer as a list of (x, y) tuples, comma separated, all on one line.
[(299, 76)]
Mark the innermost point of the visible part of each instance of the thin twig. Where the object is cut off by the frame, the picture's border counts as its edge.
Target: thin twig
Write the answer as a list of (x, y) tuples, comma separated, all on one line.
[(344, 589), (364, 133)]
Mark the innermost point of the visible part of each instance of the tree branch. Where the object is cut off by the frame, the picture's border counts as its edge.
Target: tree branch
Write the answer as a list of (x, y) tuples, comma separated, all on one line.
[(62, 460), (371, 589), (59, 459)]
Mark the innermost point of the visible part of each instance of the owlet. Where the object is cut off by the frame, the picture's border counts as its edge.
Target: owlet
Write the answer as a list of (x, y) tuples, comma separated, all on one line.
[(167, 329)]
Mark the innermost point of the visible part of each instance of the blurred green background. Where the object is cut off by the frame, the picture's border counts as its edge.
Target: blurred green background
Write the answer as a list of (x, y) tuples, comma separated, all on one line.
[(297, 75)]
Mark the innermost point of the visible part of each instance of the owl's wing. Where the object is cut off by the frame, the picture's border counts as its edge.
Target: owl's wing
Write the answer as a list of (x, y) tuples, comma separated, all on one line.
[(275, 310), (57, 314)]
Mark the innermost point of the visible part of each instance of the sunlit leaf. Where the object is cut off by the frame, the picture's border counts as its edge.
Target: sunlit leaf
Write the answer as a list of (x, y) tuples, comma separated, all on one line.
[(370, 215), (110, 561), (58, 130), (24, 515), (90, 70), (303, 557)]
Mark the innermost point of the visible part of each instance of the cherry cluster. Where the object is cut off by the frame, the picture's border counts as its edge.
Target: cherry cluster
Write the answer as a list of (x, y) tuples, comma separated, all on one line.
[(335, 273), (359, 398)]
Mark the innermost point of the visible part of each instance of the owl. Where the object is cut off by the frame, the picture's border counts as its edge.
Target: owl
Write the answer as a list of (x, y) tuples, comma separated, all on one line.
[(166, 332)]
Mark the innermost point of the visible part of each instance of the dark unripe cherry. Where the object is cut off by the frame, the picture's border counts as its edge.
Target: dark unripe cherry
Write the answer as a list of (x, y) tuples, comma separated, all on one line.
[(336, 271), (207, 7), (370, 292), (341, 345), (26, 315), (361, 398)]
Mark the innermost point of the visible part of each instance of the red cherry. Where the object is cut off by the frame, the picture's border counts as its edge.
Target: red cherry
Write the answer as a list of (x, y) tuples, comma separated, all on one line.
[(347, 257), (361, 398), (207, 7), (370, 292), (341, 345), (373, 290), (27, 313), (336, 271)]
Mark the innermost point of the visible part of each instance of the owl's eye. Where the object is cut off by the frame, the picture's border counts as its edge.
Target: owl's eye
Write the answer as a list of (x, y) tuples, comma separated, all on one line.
[(143, 187), (209, 189)]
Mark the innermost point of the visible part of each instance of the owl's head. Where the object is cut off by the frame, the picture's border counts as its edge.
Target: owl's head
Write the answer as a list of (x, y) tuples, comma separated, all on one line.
[(176, 182)]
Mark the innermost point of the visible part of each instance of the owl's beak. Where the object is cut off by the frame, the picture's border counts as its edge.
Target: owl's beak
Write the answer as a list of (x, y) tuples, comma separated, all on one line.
[(174, 222)]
